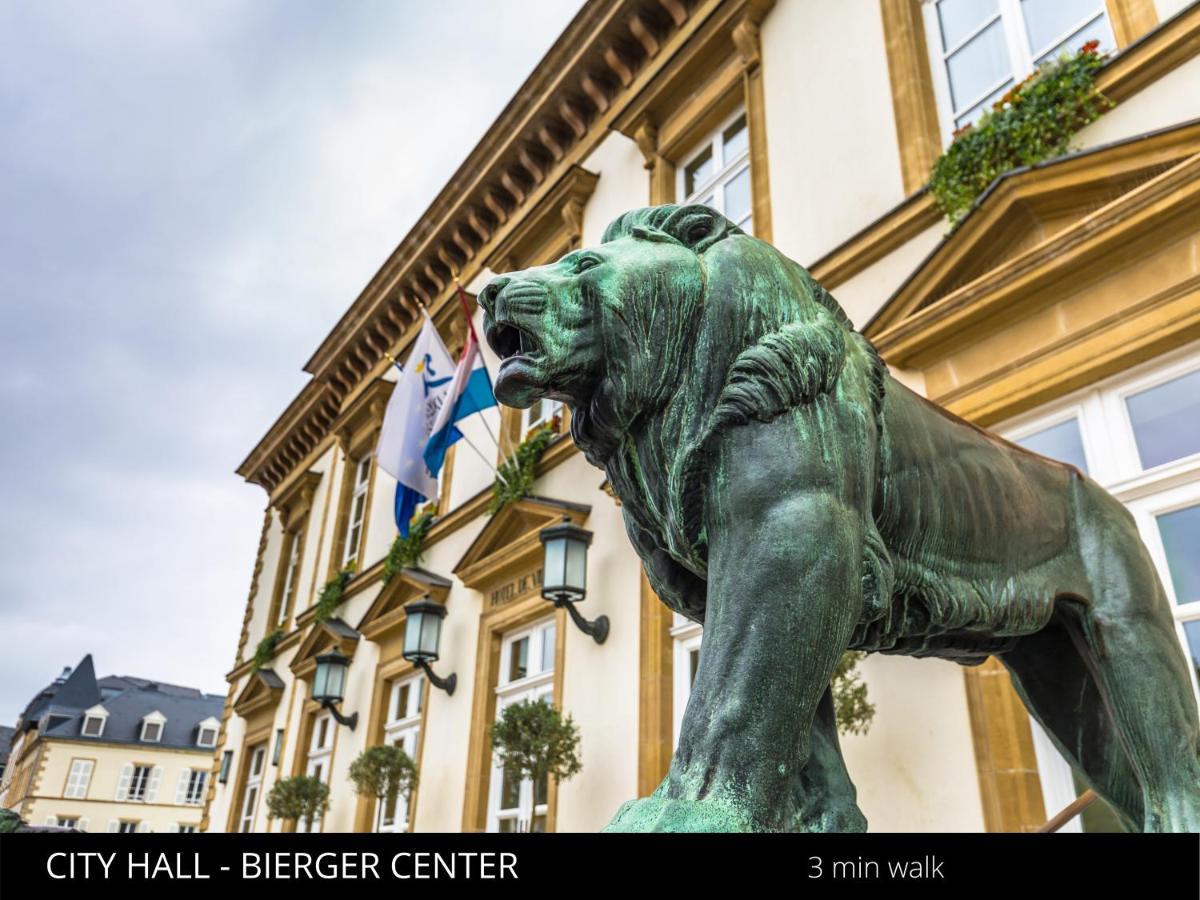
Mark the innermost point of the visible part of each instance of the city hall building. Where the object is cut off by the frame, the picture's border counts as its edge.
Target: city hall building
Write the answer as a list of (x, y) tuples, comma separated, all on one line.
[(1063, 311)]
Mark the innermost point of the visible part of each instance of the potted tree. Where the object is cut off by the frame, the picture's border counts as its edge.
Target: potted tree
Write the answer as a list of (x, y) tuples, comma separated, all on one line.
[(386, 773), (299, 798), (533, 740)]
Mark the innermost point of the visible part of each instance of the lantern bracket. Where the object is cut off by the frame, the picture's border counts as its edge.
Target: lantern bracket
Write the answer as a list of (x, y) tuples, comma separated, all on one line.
[(447, 684), (597, 628), (349, 721)]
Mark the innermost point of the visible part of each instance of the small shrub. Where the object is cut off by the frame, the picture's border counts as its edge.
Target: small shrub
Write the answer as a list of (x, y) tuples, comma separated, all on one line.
[(533, 740), (299, 798)]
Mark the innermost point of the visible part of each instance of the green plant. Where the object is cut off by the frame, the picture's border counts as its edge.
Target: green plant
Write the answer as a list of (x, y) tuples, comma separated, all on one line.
[(514, 478), (301, 797), (1033, 122), (265, 651), (10, 822), (406, 551), (533, 740), (331, 593), (384, 772), (854, 711)]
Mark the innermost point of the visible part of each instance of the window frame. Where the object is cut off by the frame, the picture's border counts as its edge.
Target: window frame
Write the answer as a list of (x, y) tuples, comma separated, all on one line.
[(90, 716), (318, 757), (405, 731), (535, 685), (1114, 462), (154, 718), (1023, 59), (252, 788), (361, 473), (686, 636), (289, 577), (76, 792), (724, 171)]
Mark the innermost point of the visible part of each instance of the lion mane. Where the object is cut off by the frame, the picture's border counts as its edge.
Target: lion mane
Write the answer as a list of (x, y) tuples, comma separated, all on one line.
[(792, 345)]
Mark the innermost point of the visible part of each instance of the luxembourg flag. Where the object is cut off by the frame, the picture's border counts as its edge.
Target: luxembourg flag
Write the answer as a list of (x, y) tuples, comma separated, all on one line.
[(470, 392), (417, 400)]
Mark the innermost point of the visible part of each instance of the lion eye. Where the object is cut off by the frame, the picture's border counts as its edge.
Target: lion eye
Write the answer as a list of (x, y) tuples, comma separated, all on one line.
[(698, 232), (587, 262)]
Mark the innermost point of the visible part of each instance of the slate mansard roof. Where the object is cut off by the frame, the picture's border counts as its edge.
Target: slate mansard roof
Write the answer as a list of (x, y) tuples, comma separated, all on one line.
[(58, 711), (6, 738)]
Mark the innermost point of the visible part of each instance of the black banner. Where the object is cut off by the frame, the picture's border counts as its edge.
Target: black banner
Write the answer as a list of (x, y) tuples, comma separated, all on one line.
[(55, 864)]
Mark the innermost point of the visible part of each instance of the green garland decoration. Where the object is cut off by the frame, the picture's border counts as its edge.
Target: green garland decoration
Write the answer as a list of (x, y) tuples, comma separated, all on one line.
[(265, 651), (331, 594), (514, 478), (406, 551), (1034, 121)]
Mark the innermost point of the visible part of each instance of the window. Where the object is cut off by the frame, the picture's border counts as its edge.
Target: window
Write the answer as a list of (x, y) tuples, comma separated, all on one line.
[(320, 749), (358, 510), (206, 732), (401, 728), (190, 789), (152, 727), (127, 826), (78, 779), (1138, 435), (138, 783), (252, 788), (718, 173), (526, 674), (981, 48), (686, 636), (291, 575), (93, 721), (542, 412), (226, 764), (63, 821), (184, 828), (277, 753)]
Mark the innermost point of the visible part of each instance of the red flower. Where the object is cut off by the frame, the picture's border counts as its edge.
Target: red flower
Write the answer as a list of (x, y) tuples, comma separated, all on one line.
[(1090, 47)]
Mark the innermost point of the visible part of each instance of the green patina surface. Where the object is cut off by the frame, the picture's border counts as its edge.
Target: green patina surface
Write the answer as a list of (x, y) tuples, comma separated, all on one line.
[(781, 488)]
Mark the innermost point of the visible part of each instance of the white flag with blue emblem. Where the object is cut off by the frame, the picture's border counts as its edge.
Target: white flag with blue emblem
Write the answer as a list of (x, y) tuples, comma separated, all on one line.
[(420, 392)]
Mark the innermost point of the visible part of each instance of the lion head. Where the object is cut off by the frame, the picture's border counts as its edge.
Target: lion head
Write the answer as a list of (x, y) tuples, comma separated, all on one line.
[(657, 315)]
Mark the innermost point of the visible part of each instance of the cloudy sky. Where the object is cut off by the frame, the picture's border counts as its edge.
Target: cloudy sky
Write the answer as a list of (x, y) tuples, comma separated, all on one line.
[(190, 195)]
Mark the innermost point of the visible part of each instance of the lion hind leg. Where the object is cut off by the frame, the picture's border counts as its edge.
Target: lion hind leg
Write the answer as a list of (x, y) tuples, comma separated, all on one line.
[(1059, 691), (826, 799)]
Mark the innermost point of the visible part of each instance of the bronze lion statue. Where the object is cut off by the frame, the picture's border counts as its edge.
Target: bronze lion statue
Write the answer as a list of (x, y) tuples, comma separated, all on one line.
[(782, 488)]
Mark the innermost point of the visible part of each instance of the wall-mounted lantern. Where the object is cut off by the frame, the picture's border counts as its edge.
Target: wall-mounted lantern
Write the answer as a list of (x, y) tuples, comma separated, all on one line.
[(329, 685), (422, 637), (564, 573)]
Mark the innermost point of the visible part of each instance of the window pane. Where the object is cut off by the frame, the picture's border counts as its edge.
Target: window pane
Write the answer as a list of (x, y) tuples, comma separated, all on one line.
[(510, 791), (1166, 420), (693, 665), (1096, 30), (1180, 532), (735, 139), (548, 648), (1062, 442), (958, 18), (1192, 630), (1048, 21), (698, 171), (737, 196), (981, 64), (518, 660), (508, 826), (971, 116)]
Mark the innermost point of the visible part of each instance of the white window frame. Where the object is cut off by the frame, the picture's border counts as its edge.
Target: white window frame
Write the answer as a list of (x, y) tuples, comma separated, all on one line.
[(154, 718), (686, 637), (255, 770), (209, 724), (98, 714), (356, 514), (546, 408), (317, 760), (724, 170), (537, 684), (79, 779), (138, 783), (1115, 463), (1022, 58), (190, 790), (402, 729)]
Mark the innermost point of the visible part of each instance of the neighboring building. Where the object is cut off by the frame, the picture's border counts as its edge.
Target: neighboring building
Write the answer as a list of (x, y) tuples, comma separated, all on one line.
[(1064, 312), (112, 754), (6, 737)]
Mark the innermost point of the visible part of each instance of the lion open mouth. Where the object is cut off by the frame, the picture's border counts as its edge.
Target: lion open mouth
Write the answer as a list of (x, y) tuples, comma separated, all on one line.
[(512, 342)]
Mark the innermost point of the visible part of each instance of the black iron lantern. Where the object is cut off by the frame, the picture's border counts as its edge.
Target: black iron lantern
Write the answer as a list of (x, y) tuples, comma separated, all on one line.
[(564, 573), (422, 637), (329, 684)]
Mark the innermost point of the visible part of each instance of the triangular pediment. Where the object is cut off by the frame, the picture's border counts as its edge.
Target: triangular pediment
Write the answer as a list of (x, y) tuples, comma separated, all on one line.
[(322, 636), (511, 536), (1031, 209), (387, 611), (262, 691)]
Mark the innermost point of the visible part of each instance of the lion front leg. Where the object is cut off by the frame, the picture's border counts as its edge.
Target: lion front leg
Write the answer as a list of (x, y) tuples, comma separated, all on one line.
[(784, 594)]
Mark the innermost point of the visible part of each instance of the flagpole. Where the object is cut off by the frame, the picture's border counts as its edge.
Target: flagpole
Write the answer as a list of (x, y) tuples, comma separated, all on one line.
[(466, 308)]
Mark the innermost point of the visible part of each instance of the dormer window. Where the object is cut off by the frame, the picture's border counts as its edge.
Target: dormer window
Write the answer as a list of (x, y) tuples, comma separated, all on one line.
[(152, 727), (93, 721), (206, 732)]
